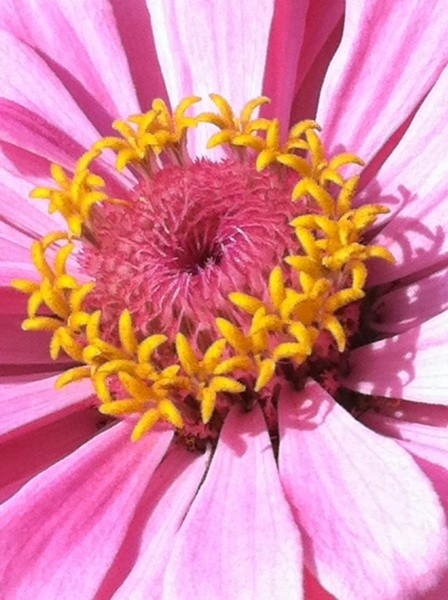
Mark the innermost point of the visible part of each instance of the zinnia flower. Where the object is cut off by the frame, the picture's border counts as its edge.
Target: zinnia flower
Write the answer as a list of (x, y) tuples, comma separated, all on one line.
[(231, 380)]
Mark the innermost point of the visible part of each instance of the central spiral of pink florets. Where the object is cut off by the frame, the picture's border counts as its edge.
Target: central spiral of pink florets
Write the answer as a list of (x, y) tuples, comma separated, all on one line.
[(189, 236)]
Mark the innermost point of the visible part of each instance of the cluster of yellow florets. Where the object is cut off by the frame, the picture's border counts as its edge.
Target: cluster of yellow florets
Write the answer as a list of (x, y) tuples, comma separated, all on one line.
[(327, 273)]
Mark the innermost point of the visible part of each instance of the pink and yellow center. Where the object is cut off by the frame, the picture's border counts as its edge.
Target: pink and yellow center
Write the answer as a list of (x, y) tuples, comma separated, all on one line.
[(203, 282)]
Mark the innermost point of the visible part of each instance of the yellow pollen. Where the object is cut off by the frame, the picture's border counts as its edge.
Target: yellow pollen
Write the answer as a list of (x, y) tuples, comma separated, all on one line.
[(133, 376)]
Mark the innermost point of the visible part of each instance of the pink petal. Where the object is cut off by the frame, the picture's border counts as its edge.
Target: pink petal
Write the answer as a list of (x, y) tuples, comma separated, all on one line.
[(369, 89), (410, 305), (373, 526), (284, 52), (23, 456), (211, 47), (411, 365), (422, 430), (29, 404), (239, 539), (26, 80), (80, 42), (61, 532), (143, 556), (138, 41)]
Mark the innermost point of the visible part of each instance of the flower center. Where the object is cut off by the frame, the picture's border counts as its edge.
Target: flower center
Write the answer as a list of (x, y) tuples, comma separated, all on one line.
[(189, 236), (205, 283)]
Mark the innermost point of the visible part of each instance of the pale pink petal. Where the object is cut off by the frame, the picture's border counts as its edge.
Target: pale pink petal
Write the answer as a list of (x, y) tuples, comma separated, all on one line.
[(18, 211), (211, 47), (408, 306), (413, 185), (414, 423), (15, 269), (373, 527), (422, 430), (26, 80), (33, 403), (142, 558), (390, 56), (137, 38), (239, 539), (411, 365), (414, 161), (80, 42), (284, 53), (23, 456), (61, 531)]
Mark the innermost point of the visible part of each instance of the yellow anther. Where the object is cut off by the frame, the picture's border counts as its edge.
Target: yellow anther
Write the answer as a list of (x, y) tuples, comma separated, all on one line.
[(226, 384), (345, 197), (148, 347), (297, 163), (359, 274), (126, 333), (213, 355), (277, 287), (308, 186), (101, 388), (25, 286), (308, 241), (266, 370), (186, 355), (41, 324), (305, 264), (236, 363), (207, 397), (145, 424), (170, 413), (71, 375), (68, 343), (121, 407), (331, 324), (287, 350), (342, 298), (344, 158), (233, 335), (249, 304)]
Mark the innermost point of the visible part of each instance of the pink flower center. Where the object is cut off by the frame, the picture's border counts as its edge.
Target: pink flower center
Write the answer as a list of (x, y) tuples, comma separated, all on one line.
[(208, 283)]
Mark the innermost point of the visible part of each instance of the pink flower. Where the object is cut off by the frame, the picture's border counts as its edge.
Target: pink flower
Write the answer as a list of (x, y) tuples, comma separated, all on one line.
[(355, 496)]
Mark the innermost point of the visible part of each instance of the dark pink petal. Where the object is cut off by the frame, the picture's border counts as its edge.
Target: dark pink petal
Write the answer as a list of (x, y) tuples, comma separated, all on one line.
[(239, 539), (142, 559), (373, 526), (28, 404), (61, 531), (80, 42), (389, 58), (323, 34), (284, 52), (27, 454), (411, 365), (137, 38)]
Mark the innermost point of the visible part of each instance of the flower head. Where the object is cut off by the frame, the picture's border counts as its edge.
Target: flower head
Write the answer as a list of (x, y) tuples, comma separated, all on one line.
[(235, 326)]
